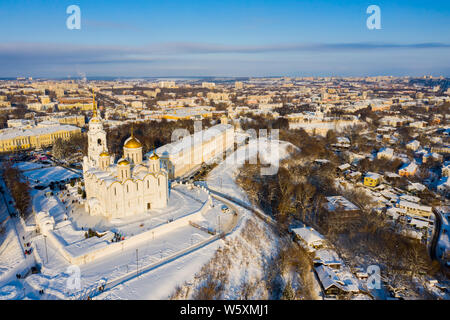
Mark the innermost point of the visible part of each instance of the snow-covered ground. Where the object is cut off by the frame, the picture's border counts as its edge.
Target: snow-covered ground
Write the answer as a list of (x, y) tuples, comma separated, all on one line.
[(69, 221), (46, 175), (247, 253), (222, 177), (30, 165), (12, 258)]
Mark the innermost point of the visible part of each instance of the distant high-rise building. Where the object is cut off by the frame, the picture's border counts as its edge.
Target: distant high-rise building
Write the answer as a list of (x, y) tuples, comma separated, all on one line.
[(167, 84), (209, 85)]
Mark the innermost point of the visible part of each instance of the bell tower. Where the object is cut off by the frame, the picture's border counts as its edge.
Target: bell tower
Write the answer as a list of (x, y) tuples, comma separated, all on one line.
[(96, 136)]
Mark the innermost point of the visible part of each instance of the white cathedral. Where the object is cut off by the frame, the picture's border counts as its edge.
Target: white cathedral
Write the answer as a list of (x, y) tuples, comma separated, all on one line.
[(131, 186)]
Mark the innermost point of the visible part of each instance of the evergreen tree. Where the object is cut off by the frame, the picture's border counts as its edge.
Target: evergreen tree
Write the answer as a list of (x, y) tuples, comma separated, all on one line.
[(288, 292)]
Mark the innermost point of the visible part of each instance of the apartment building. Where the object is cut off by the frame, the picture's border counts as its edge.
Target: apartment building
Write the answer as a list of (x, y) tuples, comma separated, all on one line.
[(15, 139)]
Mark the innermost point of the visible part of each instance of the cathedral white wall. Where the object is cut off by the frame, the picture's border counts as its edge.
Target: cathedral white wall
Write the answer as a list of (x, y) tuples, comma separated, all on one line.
[(131, 196)]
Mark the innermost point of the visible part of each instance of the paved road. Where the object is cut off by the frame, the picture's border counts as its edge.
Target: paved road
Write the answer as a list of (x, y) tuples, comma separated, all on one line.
[(436, 235), (241, 203)]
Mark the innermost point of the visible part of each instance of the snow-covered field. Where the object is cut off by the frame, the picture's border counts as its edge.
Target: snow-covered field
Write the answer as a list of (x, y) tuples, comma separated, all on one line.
[(222, 178), (68, 231), (29, 165), (12, 258), (47, 175), (247, 253)]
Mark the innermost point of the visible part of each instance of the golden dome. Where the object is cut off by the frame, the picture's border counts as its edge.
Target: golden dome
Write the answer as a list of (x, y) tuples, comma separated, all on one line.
[(132, 143), (95, 120), (154, 156), (123, 162), (104, 154)]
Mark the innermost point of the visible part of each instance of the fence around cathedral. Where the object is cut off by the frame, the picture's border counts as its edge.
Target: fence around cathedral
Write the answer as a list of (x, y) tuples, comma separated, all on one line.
[(105, 284), (109, 248)]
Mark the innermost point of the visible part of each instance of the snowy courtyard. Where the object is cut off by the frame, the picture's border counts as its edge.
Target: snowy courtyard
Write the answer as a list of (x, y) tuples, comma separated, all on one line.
[(146, 241)]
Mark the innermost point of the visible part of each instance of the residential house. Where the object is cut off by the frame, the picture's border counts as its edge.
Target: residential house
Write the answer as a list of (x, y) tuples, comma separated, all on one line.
[(408, 169), (386, 153), (332, 284), (372, 179), (413, 145), (309, 238), (415, 209)]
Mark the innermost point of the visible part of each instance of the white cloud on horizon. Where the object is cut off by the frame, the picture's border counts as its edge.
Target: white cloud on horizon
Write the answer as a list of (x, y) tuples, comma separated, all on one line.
[(183, 58)]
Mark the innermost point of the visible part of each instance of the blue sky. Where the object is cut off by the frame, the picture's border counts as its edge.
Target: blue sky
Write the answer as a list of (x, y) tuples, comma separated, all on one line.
[(224, 38)]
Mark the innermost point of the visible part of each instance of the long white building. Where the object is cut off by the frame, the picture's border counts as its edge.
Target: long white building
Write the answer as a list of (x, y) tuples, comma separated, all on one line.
[(183, 156)]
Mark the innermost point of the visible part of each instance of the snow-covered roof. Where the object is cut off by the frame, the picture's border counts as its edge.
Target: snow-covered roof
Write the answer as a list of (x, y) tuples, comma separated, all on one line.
[(309, 235), (373, 175), (410, 168), (415, 206), (11, 133), (388, 194), (186, 142), (343, 167), (355, 174), (386, 151), (329, 278), (416, 186), (343, 140), (413, 143), (419, 223), (336, 202), (392, 175), (395, 212), (409, 198), (327, 257)]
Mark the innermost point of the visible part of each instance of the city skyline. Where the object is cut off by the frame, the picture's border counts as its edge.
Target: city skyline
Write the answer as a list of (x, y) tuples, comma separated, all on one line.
[(236, 39)]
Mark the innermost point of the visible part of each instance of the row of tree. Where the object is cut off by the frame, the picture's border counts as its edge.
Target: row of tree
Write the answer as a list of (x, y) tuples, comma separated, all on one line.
[(19, 189)]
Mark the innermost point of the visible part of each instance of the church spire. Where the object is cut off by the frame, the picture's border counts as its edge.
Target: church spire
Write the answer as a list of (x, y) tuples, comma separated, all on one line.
[(94, 104)]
